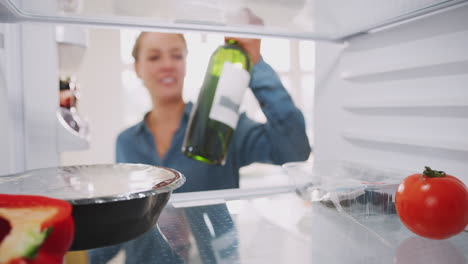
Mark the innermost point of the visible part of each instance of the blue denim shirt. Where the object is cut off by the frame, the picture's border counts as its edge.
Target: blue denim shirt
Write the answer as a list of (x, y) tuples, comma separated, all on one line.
[(282, 139)]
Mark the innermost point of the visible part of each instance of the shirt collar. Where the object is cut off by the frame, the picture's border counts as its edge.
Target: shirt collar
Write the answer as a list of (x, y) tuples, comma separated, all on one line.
[(186, 115)]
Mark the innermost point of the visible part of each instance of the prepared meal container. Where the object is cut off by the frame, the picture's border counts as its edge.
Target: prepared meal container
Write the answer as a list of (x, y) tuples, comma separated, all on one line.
[(352, 188), (112, 203)]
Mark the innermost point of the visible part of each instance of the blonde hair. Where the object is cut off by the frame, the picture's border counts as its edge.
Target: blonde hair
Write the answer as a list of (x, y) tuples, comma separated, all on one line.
[(136, 46)]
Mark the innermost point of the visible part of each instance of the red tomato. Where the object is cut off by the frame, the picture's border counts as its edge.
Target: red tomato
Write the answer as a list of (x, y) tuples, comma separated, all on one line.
[(433, 204)]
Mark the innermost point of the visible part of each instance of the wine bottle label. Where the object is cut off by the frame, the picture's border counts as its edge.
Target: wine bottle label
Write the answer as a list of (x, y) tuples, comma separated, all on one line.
[(232, 84)]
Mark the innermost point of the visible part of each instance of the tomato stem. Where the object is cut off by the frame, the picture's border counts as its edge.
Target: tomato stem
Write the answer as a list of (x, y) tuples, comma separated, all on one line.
[(428, 172)]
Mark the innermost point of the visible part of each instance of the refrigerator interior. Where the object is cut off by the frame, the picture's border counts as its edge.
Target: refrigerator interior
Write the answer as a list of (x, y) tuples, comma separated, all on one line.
[(390, 93), (379, 77)]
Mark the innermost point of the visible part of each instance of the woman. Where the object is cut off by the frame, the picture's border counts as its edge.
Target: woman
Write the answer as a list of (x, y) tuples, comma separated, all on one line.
[(157, 139), (160, 61)]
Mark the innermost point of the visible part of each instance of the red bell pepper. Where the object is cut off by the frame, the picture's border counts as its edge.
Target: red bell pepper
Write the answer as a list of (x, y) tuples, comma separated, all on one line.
[(34, 229)]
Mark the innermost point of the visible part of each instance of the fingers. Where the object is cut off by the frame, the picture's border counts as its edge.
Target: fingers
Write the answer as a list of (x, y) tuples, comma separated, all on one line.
[(251, 46)]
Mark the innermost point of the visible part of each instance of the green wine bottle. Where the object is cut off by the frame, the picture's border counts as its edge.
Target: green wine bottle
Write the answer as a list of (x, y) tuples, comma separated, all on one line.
[(215, 114)]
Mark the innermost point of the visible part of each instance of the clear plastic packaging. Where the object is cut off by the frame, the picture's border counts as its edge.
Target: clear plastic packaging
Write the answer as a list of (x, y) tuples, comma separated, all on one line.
[(353, 188)]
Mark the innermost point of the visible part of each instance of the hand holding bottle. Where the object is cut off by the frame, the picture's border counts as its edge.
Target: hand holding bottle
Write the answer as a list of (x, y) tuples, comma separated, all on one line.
[(251, 46)]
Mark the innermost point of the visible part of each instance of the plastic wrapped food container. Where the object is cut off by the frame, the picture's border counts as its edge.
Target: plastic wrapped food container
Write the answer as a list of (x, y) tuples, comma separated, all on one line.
[(351, 188), (112, 203)]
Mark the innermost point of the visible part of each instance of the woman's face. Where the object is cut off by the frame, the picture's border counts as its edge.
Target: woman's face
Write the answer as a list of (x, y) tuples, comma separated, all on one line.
[(161, 64)]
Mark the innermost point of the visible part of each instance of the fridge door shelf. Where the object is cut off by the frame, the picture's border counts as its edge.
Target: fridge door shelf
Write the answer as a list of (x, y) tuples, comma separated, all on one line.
[(73, 133), (337, 20), (72, 43)]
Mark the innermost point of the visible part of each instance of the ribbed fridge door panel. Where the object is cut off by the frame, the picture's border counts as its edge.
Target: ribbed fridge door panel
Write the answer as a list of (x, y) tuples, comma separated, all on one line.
[(409, 60), (397, 98)]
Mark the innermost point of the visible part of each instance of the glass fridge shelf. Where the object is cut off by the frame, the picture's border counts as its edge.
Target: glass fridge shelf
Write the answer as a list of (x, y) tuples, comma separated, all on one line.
[(325, 20), (277, 228)]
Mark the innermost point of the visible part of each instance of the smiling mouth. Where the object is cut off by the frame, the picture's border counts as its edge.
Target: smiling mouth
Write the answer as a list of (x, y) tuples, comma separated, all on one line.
[(168, 80)]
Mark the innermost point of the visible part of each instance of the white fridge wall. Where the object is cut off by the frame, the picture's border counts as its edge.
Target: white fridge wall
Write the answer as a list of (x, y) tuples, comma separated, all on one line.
[(397, 98), (5, 144), (11, 106), (30, 93), (40, 88)]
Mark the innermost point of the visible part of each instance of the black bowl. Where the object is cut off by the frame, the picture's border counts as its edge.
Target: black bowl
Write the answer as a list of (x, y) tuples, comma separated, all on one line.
[(105, 224)]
